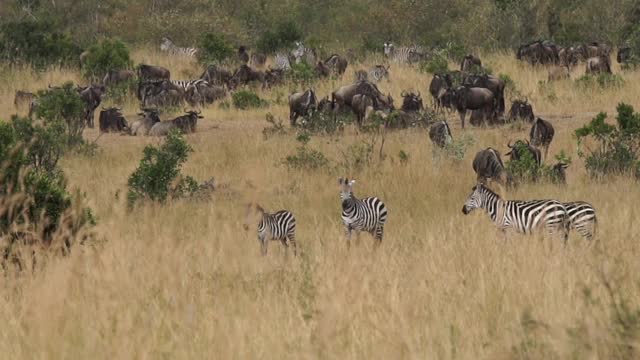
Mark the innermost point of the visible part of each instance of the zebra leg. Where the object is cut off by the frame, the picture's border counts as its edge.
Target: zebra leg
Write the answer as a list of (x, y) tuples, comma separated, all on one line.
[(294, 245), (378, 235), (348, 231), (263, 245)]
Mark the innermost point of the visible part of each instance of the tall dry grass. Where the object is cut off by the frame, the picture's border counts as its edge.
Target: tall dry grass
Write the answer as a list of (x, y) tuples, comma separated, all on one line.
[(185, 281)]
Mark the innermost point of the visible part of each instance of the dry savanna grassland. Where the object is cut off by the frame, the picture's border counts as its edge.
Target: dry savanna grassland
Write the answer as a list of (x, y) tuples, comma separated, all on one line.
[(184, 280)]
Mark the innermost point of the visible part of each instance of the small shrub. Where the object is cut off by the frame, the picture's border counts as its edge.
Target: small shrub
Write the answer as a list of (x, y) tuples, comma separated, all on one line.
[(524, 169), (455, 51), (458, 147), (158, 174), (283, 36), (276, 128), (548, 91), (357, 157), (245, 99), (601, 81), (121, 92), (305, 158), (302, 74), (63, 108), (325, 122), (108, 54), (438, 64), (403, 157), (213, 48)]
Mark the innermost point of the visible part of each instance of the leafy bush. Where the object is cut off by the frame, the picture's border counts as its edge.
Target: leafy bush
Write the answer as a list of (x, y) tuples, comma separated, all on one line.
[(617, 151), (122, 92), (458, 147), (63, 108), (284, 35), (302, 74), (35, 42), (455, 51), (438, 64), (525, 168), (213, 48), (108, 54), (325, 122), (245, 99), (305, 158), (357, 157), (276, 128), (158, 174), (600, 81)]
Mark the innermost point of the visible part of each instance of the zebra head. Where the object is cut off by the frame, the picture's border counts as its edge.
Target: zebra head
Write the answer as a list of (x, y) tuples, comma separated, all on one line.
[(476, 199), (388, 48), (346, 188), (253, 214), (166, 44)]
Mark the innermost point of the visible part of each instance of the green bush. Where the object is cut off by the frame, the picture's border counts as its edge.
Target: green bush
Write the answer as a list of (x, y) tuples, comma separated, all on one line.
[(245, 99), (438, 64), (63, 108), (618, 147), (158, 174), (213, 48), (600, 81), (305, 158), (525, 168), (37, 43), (283, 37), (325, 122), (108, 54), (302, 74)]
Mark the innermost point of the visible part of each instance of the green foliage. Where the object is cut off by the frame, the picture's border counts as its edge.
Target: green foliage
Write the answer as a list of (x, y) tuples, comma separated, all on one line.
[(455, 51), (438, 64), (458, 147), (121, 92), (601, 81), (63, 108), (245, 99), (357, 157), (37, 43), (158, 174), (282, 37), (213, 48), (306, 158), (325, 122), (108, 54), (403, 157), (526, 168), (302, 74), (618, 147)]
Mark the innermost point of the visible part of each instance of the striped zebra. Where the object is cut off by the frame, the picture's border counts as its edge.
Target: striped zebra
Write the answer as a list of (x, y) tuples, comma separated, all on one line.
[(186, 84), (169, 47), (525, 217), (282, 61), (368, 214), (403, 55), (304, 54), (582, 218), (378, 73), (280, 225)]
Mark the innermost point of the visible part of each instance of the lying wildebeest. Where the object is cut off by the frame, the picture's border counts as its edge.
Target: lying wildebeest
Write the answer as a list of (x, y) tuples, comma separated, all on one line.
[(243, 55), (473, 98), (559, 174), (115, 77), (111, 120), (470, 63), (411, 102), (245, 75), (273, 77), (258, 60), (489, 166), (518, 149), (541, 135), (301, 104), (160, 93), (559, 73), (142, 126), (185, 123), (344, 95), (337, 64), (204, 93), (599, 65), (521, 110), (438, 87), (23, 99), (215, 75), (440, 134), (92, 97), (151, 72), (493, 83), (322, 70)]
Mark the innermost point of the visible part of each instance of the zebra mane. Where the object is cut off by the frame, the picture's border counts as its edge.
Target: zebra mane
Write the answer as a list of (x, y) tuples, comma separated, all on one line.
[(484, 188)]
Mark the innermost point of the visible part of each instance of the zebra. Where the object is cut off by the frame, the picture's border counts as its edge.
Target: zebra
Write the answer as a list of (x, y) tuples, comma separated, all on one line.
[(403, 55), (368, 214), (378, 73), (186, 84), (582, 218), (280, 225), (304, 54), (524, 217), (282, 61), (169, 47)]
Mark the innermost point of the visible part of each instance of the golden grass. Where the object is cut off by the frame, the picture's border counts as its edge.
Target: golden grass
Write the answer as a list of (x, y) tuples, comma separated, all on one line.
[(185, 281)]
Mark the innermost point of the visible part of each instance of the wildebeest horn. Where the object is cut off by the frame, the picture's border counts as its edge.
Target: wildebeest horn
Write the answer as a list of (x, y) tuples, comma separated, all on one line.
[(527, 141), (403, 94), (509, 145)]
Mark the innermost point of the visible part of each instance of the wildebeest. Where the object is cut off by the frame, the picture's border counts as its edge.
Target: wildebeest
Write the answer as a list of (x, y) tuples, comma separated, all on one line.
[(538, 52), (203, 93), (599, 65), (322, 70), (245, 75), (518, 149), (23, 99), (411, 102), (215, 75), (559, 73), (142, 126), (301, 104), (489, 166), (559, 174), (115, 77), (92, 96), (243, 55), (438, 87), (337, 64), (112, 120), (185, 123), (160, 93), (362, 106), (465, 98), (273, 77), (361, 75), (470, 63), (493, 83), (151, 72), (521, 110), (541, 135), (567, 56), (440, 134), (344, 95)]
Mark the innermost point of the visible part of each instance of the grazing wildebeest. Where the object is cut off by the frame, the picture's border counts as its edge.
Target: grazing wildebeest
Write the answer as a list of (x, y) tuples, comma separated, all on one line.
[(142, 126), (559, 73), (151, 72), (411, 102), (23, 99), (245, 75), (243, 55), (337, 64), (92, 96), (438, 87), (541, 135), (493, 83), (518, 149), (599, 65), (559, 174), (215, 75), (273, 77), (112, 120), (322, 70), (489, 166), (344, 95), (185, 123), (362, 106), (301, 104), (115, 77), (465, 98), (521, 110), (470, 63), (440, 134)]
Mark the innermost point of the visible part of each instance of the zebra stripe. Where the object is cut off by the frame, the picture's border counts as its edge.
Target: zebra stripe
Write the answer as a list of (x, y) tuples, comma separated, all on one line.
[(278, 226), (582, 218), (169, 47), (368, 214), (304, 54), (282, 62), (186, 84), (523, 216), (403, 55), (378, 73)]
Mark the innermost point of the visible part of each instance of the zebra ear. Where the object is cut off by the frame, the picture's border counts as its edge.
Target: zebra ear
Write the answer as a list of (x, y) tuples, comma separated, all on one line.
[(352, 182), (340, 181)]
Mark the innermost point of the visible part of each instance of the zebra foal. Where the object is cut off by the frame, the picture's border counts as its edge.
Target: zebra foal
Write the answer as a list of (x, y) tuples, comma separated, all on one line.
[(368, 214), (280, 225), (525, 217)]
